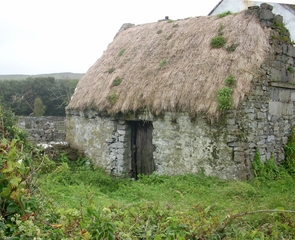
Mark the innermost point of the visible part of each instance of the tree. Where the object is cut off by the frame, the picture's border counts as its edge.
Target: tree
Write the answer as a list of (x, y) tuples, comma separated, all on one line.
[(39, 107)]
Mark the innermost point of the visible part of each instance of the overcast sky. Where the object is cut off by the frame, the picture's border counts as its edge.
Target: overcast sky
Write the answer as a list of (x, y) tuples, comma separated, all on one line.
[(50, 36)]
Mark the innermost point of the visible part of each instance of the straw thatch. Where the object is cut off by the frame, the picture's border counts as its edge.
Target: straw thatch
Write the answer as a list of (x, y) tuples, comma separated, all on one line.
[(170, 66)]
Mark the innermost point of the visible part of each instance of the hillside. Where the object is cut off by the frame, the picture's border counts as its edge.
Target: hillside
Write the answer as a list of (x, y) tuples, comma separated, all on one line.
[(63, 75)]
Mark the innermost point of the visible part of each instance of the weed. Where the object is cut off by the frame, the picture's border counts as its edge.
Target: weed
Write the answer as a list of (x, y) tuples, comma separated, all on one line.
[(170, 21), (117, 81), (218, 42), (232, 47), (159, 31), (111, 70), (220, 29), (224, 97), (289, 162), (163, 63), (121, 52), (290, 69), (175, 25), (267, 171), (112, 98), (221, 15), (230, 81)]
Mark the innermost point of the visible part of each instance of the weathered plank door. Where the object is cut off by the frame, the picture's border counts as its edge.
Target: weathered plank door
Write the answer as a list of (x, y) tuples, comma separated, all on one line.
[(142, 148)]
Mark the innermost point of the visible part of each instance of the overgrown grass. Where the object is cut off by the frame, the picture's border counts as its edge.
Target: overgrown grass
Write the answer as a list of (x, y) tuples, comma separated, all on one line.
[(176, 207)]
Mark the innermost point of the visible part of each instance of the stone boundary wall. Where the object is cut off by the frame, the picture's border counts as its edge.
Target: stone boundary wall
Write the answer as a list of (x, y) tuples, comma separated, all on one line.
[(44, 129)]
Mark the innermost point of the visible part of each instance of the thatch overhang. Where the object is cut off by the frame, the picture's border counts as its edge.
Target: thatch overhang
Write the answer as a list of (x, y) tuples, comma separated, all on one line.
[(170, 66)]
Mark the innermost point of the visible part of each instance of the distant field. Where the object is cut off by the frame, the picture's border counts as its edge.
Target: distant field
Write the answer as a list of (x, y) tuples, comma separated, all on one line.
[(64, 75)]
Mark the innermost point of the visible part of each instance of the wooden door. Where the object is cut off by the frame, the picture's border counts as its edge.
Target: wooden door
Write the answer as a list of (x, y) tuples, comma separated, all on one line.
[(142, 148)]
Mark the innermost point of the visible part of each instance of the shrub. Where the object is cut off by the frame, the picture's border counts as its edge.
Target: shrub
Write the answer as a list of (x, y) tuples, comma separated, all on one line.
[(159, 31), (218, 42), (224, 97)]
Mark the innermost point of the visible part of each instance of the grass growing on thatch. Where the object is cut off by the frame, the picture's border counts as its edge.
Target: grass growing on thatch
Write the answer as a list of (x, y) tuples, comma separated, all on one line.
[(232, 47), (218, 41), (117, 81), (112, 98), (230, 80), (121, 52), (221, 15), (224, 97), (195, 72), (163, 63), (111, 70)]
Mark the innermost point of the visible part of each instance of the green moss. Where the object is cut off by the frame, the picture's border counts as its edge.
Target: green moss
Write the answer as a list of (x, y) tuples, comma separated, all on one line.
[(112, 98), (121, 52), (163, 63), (117, 81), (232, 47), (290, 69), (111, 70)]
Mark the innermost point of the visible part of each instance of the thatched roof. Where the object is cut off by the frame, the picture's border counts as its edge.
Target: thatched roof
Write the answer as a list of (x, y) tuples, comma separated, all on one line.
[(170, 66)]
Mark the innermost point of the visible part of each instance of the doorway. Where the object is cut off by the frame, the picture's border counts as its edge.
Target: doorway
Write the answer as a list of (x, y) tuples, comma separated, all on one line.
[(142, 149)]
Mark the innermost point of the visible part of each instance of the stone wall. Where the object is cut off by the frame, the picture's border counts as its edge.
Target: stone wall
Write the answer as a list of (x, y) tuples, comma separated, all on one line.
[(226, 148), (44, 129)]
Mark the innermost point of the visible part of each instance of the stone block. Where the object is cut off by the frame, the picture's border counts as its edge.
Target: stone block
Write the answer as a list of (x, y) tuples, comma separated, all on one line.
[(291, 50), (261, 115), (284, 95), (266, 14)]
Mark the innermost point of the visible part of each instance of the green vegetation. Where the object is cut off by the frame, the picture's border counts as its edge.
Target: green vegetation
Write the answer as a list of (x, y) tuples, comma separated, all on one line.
[(117, 81), (220, 29), (20, 95), (112, 98), (221, 15), (289, 163), (159, 31), (224, 95), (232, 47), (282, 33), (39, 107), (121, 52), (230, 80), (290, 69), (218, 41), (111, 70), (163, 63), (42, 199), (224, 98)]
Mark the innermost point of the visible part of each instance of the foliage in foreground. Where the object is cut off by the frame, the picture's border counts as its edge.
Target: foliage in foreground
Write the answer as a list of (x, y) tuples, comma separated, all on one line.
[(42, 199)]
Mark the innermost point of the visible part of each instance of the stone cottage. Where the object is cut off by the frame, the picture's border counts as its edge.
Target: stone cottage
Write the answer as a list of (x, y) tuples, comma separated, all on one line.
[(166, 98)]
